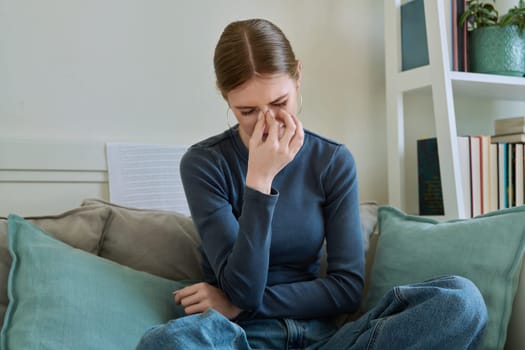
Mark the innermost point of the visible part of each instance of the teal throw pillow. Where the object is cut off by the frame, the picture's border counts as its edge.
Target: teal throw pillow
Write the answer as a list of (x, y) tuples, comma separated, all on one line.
[(487, 249), (65, 298)]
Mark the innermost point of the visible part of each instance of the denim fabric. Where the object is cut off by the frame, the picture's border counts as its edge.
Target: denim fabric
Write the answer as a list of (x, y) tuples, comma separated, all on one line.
[(209, 330), (287, 333), (444, 313)]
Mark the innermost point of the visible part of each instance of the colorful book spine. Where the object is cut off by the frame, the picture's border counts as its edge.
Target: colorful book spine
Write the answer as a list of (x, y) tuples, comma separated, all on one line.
[(492, 175), (518, 174), (464, 163), (511, 165), (493, 190), (503, 201), (475, 176)]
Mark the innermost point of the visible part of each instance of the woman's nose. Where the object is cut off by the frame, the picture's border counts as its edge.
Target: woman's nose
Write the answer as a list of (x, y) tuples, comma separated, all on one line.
[(267, 110)]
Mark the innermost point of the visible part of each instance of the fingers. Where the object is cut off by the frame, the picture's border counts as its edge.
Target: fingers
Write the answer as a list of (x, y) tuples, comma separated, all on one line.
[(294, 132), (286, 131), (200, 297), (190, 299), (298, 138), (273, 126), (289, 125), (258, 131), (196, 309), (183, 293)]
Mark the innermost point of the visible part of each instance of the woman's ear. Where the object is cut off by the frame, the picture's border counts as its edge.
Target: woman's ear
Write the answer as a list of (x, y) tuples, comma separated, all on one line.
[(298, 74), (222, 92)]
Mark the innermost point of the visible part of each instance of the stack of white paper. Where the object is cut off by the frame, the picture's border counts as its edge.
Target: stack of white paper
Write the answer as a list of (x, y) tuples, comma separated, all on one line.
[(146, 176)]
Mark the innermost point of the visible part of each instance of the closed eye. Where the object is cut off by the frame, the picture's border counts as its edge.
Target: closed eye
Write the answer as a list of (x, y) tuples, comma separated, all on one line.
[(248, 112), (281, 104)]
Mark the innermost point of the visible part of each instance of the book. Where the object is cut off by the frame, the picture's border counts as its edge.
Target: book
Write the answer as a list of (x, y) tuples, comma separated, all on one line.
[(518, 175), (485, 172), (429, 176), (454, 25), (464, 44), (414, 46), (464, 163), (475, 176), (510, 138), (511, 149), (430, 191), (493, 174), (503, 199), (506, 126)]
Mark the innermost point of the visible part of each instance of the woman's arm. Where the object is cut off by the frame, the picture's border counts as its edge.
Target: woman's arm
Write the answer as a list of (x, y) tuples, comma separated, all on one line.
[(239, 264), (200, 297), (341, 290), (237, 249)]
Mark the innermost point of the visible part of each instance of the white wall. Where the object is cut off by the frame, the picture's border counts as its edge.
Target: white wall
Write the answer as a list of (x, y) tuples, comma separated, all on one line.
[(504, 5), (141, 71)]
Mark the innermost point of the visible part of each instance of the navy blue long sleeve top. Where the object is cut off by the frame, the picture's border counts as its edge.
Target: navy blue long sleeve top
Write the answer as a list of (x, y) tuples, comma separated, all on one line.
[(263, 250)]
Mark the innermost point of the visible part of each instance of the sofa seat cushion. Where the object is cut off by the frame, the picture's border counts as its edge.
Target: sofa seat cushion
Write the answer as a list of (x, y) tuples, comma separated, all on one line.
[(487, 249), (65, 298)]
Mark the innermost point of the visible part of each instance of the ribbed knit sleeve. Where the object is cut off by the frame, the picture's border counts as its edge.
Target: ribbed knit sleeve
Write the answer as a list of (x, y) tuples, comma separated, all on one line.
[(237, 249)]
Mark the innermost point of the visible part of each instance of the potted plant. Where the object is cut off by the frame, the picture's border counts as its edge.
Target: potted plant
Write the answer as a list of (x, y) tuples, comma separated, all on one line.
[(496, 44)]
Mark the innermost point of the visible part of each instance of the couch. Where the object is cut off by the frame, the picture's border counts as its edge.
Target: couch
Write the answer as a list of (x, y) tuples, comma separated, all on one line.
[(97, 276)]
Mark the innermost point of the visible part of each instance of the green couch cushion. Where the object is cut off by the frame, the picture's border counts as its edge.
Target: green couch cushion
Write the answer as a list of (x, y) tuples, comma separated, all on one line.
[(65, 298), (80, 227), (487, 249)]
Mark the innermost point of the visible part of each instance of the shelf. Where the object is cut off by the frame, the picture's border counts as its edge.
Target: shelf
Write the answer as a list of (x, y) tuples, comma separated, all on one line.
[(443, 85), (497, 87), (492, 86)]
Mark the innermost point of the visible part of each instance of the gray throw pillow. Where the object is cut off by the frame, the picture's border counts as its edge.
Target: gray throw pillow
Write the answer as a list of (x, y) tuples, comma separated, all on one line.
[(160, 242)]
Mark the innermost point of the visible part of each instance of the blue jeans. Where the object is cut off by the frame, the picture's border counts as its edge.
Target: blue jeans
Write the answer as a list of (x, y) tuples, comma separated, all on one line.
[(444, 313)]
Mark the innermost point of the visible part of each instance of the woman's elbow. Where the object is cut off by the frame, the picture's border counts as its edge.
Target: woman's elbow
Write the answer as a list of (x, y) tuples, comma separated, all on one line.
[(244, 294), (247, 301)]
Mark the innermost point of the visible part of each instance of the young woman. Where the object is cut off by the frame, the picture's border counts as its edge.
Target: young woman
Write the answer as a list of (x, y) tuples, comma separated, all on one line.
[(264, 195)]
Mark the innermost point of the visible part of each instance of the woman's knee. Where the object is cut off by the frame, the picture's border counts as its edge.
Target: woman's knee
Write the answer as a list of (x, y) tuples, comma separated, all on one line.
[(455, 296), (464, 298)]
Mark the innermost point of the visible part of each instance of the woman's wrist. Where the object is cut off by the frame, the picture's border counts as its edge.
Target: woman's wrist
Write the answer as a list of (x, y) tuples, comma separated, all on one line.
[(259, 184)]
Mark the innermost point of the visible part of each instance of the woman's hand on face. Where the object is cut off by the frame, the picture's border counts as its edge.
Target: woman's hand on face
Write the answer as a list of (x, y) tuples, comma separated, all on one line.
[(201, 297), (270, 152)]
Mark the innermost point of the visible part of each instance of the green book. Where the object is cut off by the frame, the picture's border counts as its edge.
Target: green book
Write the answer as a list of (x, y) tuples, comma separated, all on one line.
[(429, 178), (414, 47)]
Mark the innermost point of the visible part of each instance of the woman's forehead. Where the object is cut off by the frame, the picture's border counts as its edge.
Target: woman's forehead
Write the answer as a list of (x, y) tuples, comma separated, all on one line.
[(261, 89)]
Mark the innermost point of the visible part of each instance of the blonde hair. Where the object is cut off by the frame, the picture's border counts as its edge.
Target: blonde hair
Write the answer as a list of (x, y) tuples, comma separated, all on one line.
[(251, 48)]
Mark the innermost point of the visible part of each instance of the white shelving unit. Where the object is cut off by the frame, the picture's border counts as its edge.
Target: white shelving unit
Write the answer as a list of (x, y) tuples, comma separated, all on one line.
[(444, 84)]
